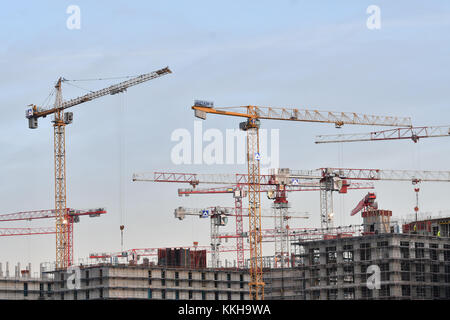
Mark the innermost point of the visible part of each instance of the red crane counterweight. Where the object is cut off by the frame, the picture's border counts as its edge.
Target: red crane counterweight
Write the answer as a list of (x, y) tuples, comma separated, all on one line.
[(367, 202)]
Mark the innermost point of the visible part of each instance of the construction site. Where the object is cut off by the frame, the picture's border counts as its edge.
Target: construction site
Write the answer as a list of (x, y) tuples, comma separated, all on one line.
[(260, 244), (328, 262)]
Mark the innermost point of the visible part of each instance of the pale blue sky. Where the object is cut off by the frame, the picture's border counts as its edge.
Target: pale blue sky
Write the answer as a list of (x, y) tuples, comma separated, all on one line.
[(278, 53)]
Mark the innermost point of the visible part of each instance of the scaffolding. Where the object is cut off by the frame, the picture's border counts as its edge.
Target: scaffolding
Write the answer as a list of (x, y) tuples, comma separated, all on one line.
[(412, 266)]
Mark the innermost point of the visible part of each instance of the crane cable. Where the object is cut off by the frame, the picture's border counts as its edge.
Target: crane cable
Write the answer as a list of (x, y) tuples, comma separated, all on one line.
[(100, 79), (121, 150), (341, 196), (73, 85), (47, 100)]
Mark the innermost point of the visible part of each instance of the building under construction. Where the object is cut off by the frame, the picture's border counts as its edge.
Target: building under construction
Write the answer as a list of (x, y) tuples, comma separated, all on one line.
[(414, 264), (175, 269), (325, 264), (411, 266), (179, 274)]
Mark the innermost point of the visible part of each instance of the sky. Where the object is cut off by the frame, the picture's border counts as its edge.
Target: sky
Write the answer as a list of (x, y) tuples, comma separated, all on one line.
[(302, 54)]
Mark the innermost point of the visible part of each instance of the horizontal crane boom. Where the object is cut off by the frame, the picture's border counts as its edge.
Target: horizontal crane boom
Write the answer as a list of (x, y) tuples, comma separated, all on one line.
[(5, 232), (392, 175), (338, 118), (414, 134), (45, 214), (36, 112)]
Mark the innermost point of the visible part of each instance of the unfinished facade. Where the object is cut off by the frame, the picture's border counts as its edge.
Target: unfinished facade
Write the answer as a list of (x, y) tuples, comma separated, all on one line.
[(153, 282), (130, 282), (412, 266)]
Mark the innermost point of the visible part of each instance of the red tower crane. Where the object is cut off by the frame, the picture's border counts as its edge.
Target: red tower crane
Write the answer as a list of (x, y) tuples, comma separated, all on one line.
[(367, 202), (72, 216), (275, 184), (412, 133), (252, 115)]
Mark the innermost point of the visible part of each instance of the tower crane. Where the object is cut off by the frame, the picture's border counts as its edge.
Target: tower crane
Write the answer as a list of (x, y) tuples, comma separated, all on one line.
[(267, 184), (254, 114), (367, 202), (219, 218), (270, 183), (71, 216), (75, 214), (181, 212), (135, 254), (338, 178), (7, 232), (302, 234), (413, 133), (387, 175), (61, 119), (278, 194), (414, 176)]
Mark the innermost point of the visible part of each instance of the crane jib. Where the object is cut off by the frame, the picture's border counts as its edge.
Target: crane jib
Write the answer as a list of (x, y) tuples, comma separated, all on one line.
[(35, 112)]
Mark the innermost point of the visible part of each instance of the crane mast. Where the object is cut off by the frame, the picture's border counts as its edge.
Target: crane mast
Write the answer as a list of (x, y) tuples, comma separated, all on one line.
[(64, 245), (256, 285)]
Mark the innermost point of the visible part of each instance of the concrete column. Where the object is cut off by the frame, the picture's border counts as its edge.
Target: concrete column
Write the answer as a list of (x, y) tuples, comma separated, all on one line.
[(358, 293), (396, 290), (323, 258), (323, 272), (339, 250), (376, 293), (396, 267), (356, 252)]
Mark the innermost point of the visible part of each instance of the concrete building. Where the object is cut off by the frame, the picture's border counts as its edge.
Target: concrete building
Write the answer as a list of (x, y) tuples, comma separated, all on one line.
[(283, 284), (24, 289), (123, 281), (153, 282), (412, 266), (23, 285)]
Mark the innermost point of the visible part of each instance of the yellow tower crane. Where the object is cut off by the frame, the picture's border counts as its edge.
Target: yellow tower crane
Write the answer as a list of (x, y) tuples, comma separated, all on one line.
[(253, 114), (61, 118)]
